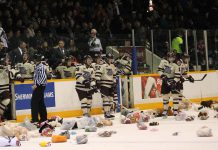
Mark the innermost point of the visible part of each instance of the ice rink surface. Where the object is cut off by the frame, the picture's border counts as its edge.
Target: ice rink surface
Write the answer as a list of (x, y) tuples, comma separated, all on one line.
[(128, 137)]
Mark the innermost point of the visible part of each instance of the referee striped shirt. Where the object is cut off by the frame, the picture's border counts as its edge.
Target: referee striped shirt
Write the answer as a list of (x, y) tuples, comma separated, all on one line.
[(40, 76)]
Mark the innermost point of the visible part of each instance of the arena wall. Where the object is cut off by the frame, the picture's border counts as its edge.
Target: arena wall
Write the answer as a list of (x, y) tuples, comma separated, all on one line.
[(61, 97)]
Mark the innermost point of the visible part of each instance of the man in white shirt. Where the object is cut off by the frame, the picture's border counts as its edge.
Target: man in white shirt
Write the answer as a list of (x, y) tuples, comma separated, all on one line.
[(94, 44)]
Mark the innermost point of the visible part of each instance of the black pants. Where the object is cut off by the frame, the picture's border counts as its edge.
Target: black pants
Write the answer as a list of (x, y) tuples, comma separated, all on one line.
[(38, 105)]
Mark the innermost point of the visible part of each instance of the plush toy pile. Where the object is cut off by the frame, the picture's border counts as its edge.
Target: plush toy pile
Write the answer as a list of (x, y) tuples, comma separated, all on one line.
[(12, 134)]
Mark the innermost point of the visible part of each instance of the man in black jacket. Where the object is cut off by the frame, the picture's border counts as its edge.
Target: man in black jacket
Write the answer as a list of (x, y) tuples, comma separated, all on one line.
[(17, 54), (58, 54)]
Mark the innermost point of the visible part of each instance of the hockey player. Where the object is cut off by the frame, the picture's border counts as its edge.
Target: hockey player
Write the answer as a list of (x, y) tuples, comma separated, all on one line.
[(26, 69), (106, 81), (85, 84), (60, 70), (124, 65), (180, 76), (166, 70), (70, 69), (7, 75), (98, 62)]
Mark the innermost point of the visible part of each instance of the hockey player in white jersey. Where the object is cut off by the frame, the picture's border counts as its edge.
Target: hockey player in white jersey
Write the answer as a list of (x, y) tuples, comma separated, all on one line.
[(180, 76), (7, 74), (85, 84), (69, 71), (106, 81), (166, 70), (98, 62)]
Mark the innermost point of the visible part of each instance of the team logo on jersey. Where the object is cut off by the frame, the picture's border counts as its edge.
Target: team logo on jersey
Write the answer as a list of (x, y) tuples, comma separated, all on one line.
[(167, 69), (86, 75), (109, 72)]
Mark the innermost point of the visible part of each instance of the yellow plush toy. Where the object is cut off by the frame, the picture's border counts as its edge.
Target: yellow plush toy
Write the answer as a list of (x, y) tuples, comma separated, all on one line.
[(45, 144)]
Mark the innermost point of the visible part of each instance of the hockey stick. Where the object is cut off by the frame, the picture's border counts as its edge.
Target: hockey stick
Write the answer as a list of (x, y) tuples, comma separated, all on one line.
[(202, 78), (199, 79)]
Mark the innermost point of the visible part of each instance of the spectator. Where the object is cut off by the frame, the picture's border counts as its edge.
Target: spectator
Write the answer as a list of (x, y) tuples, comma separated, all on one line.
[(94, 44), (58, 54), (17, 54), (176, 45)]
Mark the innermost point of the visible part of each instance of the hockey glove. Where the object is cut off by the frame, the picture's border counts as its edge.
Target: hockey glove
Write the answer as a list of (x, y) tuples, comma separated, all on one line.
[(172, 85), (21, 79), (164, 78), (191, 79), (182, 80), (92, 90), (87, 83)]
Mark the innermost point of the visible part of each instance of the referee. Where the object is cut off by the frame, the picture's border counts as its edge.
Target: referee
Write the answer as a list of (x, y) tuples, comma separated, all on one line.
[(37, 101)]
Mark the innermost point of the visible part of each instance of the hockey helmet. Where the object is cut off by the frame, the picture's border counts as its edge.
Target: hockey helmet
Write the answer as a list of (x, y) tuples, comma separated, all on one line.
[(185, 58), (109, 56), (171, 54), (96, 56), (86, 57)]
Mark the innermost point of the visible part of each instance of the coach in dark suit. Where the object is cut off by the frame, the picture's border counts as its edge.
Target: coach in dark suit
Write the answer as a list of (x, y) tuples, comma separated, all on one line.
[(58, 54), (17, 54)]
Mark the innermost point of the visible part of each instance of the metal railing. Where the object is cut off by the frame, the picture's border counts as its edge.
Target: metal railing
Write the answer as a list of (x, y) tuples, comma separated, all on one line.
[(201, 45)]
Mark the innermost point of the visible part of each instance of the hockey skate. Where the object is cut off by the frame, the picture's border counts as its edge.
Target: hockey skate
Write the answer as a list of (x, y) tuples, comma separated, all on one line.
[(164, 115), (108, 116), (175, 113)]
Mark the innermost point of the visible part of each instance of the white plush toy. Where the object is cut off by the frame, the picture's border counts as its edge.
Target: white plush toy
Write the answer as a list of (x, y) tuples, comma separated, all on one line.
[(204, 132)]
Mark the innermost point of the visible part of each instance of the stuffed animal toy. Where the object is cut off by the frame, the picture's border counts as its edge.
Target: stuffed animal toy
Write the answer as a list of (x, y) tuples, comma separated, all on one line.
[(46, 130), (190, 118), (90, 129), (204, 132), (58, 139), (106, 133), (45, 144), (203, 115), (11, 130), (81, 139), (107, 122), (181, 116), (142, 126), (160, 112), (68, 125), (55, 121), (9, 141), (186, 105), (207, 104), (27, 124), (65, 133)]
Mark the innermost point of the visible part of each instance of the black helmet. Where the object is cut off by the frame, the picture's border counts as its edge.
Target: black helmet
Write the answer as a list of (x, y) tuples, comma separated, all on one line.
[(38, 57)]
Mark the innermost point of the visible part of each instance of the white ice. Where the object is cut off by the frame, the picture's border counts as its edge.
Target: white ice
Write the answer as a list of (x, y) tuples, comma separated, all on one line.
[(128, 137)]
